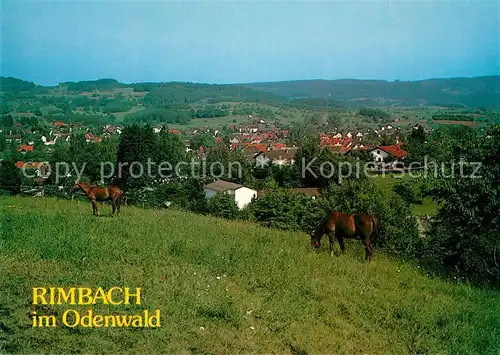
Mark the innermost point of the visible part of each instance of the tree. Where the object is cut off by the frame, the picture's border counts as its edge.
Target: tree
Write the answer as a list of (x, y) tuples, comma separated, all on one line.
[(454, 142), (314, 120), (416, 144), (463, 237), (202, 140), (287, 176), (3, 142), (4, 108), (60, 153), (320, 166), (231, 165), (7, 121), (137, 144), (170, 148), (405, 190), (374, 113), (301, 133), (98, 156), (335, 120), (10, 177)]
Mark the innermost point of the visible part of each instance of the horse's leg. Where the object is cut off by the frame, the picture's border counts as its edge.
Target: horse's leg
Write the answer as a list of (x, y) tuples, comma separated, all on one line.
[(341, 243), (113, 204), (96, 210), (331, 238), (119, 202), (368, 249), (371, 250)]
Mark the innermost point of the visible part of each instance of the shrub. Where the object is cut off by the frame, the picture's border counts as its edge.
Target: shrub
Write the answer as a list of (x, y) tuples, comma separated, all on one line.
[(187, 194), (405, 191), (399, 232), (223, 206), (284, 209)]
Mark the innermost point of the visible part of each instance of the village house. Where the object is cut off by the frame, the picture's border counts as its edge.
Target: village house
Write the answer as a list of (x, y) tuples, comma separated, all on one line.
[(112, 129), (58, 124), (49, 142), (63, 136), (276, 156), (90, 137), (39, 169), (13, 138), (25, 148), (388, 152), (242, 195)]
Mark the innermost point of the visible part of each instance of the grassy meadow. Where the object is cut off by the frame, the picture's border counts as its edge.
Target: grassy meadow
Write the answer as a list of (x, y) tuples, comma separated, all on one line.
[(387, 182), (225, 287)]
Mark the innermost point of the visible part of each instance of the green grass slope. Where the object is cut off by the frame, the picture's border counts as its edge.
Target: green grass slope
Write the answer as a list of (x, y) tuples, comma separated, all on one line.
[(252, 289)]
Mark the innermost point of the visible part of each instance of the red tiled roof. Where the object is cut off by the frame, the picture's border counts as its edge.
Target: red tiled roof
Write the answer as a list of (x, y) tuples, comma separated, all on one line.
[(22, 164), (25, 148), (261, 147), (341, 149), (174, 131), (394, 150), (331, 141), (58, 123)]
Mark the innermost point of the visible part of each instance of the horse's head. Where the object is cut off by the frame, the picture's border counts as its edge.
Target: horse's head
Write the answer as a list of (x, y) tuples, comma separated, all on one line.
[(316, 237), (76, 186)]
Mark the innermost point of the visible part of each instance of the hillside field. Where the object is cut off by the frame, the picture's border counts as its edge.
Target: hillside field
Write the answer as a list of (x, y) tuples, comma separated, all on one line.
[(225, 287)]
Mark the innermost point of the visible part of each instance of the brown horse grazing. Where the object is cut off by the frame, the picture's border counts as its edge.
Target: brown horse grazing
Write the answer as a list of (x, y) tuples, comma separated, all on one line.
[(341, 225), (96, 193)]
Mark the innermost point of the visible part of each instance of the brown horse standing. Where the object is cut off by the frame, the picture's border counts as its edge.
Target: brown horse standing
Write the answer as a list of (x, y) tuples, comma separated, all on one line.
[(341, 225), (96, 193)]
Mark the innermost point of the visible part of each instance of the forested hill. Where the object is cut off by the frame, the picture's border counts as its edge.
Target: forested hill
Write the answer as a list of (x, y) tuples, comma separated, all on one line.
[(455, 92), (170, 92), (9, 84), (473, 92)]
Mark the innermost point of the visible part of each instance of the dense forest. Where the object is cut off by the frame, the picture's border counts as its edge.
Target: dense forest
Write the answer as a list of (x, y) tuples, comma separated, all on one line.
[(453, 92), (471, 92)]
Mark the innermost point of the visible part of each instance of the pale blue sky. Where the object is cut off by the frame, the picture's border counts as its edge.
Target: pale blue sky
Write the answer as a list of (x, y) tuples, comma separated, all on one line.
[(231, 42)]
